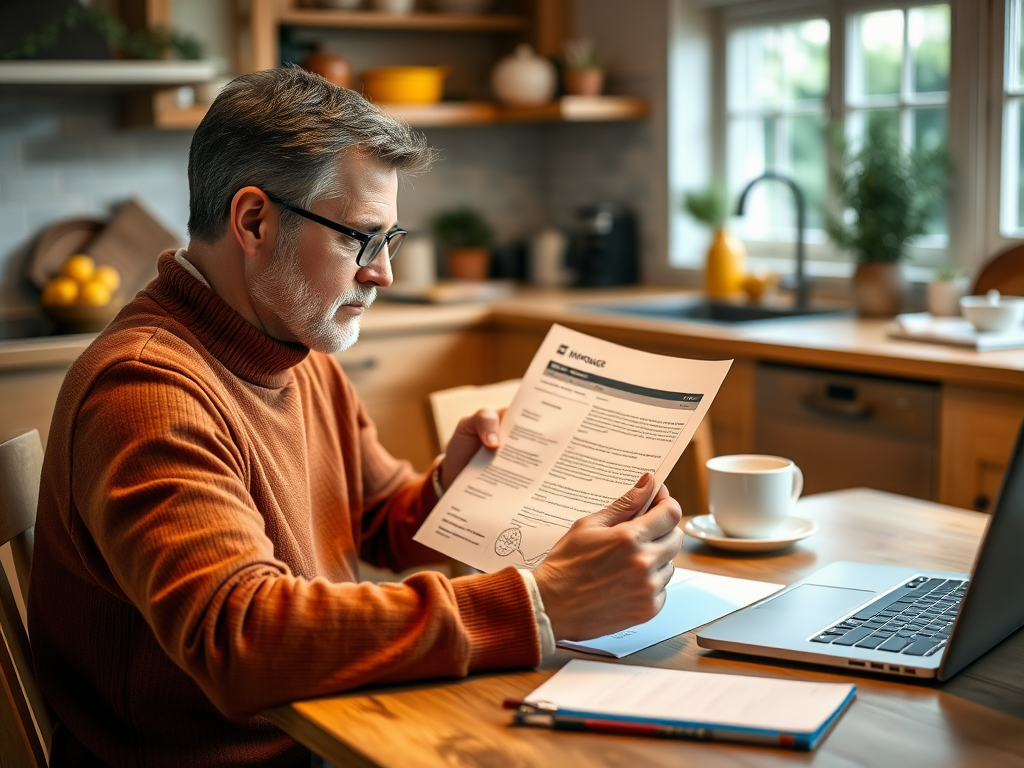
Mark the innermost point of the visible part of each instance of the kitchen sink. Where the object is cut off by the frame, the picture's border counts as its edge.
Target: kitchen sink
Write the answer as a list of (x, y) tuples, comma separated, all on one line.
[(702, 309)]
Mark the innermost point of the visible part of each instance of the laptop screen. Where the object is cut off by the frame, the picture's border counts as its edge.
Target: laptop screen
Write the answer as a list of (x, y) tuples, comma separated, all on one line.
[(993, 606)]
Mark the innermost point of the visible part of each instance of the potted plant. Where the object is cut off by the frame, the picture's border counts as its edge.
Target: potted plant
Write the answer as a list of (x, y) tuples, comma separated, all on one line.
[(726, 263), (944, 291), (582, 73), (887, 197), (466, 237)]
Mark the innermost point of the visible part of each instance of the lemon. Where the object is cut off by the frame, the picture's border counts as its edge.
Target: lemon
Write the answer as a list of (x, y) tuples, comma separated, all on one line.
[(80, 267), (60, 292), (94, 294), (109, 276)]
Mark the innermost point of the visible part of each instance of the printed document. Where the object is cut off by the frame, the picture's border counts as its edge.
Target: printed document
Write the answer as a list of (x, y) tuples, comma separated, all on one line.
[(589, 419), (692, 599)]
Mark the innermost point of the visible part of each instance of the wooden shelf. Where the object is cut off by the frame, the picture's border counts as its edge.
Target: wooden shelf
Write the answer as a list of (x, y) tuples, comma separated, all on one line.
[(572, 109), (113, 73), (579, 109), (423, 22), (162, 113)]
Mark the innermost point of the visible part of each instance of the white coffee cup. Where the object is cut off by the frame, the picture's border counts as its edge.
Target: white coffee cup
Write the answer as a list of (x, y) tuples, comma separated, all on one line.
[(751, 495)]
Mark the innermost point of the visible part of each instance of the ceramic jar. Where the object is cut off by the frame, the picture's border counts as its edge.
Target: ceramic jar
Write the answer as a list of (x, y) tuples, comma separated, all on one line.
[(524, 78), (330, 66), (726, 266)]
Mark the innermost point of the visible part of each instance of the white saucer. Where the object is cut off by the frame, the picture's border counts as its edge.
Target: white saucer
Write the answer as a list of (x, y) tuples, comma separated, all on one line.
[(705, 528)]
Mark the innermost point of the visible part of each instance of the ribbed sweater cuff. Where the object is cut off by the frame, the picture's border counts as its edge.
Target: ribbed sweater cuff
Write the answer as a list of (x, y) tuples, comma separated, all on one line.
[(497, 613)]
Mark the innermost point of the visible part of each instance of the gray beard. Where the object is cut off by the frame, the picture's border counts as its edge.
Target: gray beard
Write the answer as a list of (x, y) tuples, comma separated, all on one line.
[(286, 293)]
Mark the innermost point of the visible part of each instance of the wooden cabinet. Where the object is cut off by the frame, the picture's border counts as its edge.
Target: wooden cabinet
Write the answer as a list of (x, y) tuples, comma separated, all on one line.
[(977, 431), (27, 398), (394, 374)]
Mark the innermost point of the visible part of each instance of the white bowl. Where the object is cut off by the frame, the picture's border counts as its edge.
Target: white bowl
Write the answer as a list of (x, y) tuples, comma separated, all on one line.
[(993, 314)]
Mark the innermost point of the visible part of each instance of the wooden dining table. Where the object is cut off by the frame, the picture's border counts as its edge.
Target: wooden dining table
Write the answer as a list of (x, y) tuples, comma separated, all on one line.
[(975, 719)]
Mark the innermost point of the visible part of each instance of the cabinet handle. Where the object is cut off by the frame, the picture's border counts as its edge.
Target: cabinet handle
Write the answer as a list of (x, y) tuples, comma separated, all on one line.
[(981, 502), (840, 408), (359, 366)]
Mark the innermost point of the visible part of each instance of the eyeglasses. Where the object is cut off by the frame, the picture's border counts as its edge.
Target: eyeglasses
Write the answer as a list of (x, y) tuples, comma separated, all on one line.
[(370, 243)]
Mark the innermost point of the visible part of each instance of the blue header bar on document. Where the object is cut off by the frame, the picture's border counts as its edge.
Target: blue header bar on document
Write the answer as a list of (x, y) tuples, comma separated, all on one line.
[(684, 401)]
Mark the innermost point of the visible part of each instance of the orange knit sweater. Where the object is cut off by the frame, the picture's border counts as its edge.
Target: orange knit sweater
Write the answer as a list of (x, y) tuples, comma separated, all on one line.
[(205, 494)]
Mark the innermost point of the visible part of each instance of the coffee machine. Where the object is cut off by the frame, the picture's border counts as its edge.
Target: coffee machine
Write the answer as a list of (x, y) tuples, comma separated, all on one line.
[(605, 248)]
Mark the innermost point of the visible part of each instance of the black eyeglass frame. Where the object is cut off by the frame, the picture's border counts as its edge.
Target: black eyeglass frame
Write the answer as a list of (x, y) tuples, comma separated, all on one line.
[(363, 238)]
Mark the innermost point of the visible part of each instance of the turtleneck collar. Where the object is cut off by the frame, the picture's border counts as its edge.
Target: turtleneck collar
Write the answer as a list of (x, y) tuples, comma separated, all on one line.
[(241, 347)]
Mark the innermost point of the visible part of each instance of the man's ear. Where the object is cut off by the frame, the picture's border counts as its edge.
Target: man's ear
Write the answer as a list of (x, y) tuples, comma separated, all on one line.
[(254, 221)]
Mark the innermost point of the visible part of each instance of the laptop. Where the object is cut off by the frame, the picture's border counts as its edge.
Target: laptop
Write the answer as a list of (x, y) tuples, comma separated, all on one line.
[(893, 620)]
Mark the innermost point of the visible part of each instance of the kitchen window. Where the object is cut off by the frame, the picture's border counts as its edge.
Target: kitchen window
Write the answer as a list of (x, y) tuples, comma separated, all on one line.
[(1012, 197), (787, 72)]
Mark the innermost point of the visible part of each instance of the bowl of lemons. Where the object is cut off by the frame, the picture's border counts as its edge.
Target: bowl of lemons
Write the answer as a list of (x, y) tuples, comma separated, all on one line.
[(83, 297)]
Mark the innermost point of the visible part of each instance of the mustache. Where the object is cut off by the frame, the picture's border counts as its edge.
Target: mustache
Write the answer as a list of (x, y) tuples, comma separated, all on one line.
[(358, 294)]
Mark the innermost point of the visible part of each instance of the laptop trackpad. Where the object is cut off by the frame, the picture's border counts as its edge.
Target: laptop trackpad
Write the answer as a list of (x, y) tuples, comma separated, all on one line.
[(818, 600)]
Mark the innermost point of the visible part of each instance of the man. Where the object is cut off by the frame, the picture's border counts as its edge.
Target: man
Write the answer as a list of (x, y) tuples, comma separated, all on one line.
[(211, 476)]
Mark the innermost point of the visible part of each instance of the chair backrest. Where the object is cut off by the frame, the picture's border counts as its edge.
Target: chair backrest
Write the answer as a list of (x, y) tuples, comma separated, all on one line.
[(450, 405), (1004, 272), (25, 726)]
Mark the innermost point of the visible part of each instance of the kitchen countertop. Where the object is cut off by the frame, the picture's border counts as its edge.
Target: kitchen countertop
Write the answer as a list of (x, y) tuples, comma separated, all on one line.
[(844, 343)]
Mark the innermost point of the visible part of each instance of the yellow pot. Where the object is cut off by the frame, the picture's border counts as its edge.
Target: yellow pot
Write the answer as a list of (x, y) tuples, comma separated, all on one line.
[(405, 85), (726, 266)]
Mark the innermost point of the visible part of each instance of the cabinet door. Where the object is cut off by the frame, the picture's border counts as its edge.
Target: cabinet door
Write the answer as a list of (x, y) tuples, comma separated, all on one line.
[(394, 375), (977, 433), (27, 398)]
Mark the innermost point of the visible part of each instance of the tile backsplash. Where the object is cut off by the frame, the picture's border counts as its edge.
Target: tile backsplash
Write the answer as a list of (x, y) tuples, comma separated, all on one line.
[(64, 156)]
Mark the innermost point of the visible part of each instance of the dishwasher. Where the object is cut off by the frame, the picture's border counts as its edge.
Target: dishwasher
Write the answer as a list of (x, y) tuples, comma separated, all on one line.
[(849, 430)]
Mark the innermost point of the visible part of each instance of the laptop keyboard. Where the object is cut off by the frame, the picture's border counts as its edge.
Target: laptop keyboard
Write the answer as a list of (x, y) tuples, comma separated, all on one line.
[(913, 620)]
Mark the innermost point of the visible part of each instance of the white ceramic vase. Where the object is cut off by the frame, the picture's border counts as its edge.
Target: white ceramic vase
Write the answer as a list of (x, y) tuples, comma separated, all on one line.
[(524, 78), (944, 297)]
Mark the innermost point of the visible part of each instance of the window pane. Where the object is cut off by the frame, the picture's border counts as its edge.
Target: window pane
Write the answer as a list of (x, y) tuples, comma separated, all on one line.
[(1013, 178), (772, 66), (929, 127), (928, 36), (929, 131), (805, 60), (794, 146), (861, 121), (755, 69), (807, 163), (1015, 45), (877, 54)]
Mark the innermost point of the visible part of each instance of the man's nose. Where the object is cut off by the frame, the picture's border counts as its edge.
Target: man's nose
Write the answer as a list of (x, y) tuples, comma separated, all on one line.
[(378, 271)]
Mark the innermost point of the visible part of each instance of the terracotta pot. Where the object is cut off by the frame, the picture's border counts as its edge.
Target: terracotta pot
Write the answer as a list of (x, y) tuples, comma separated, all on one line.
[(583, 82), (469, 263), (878, 289), (726, 266), (330, 66)]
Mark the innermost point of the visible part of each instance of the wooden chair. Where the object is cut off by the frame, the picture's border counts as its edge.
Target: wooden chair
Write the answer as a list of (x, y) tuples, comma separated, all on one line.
[(25, 726), (450, 405), (1004, 272)]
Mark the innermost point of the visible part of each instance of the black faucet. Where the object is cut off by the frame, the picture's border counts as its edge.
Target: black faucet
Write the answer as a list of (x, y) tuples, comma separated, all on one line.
[(803, 286)]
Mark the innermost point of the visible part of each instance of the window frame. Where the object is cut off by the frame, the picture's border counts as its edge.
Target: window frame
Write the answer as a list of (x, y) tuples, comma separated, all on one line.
[(969, 215)]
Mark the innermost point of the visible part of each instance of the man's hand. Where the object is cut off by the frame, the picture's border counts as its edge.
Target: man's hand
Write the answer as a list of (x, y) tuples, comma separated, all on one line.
[(473, 431), (610, 570)]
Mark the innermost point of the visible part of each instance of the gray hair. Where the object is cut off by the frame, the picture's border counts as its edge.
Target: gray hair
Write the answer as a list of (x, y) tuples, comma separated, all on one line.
[(283, 130)]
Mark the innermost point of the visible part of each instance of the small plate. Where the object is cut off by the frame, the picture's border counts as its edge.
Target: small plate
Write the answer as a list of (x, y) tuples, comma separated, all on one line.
[(705, 528)]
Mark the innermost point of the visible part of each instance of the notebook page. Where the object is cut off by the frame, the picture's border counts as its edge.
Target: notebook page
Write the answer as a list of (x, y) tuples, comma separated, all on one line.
[(705, 698)]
